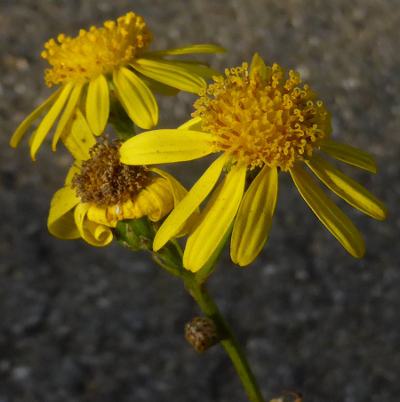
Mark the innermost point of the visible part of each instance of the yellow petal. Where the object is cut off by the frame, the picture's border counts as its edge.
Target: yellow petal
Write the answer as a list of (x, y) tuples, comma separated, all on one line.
[(192, 124), (73, 170), (93, 233), (179, 193), (194, 67), (170, 74), (67, 114), (347, 154), (175, 221), (215, 220), (98, 104), (60, 222), (156, 200), (254, 218), (102, 215), (48, 120), (136, 98), (346, 188), (176, 188), (158, 87), (186, 50), (24, 126), (258, 67), (328, 213), (79, 139), (165, 146)]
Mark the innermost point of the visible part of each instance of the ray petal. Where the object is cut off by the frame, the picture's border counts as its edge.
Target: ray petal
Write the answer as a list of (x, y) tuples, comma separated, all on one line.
[(93, 233), (254, 218), (67, 114), (165, 146), (24, 126), (192, 124), (176, 188), (98, 104), (328, 213), (350, 155), (186, 50), (136, 98), (346, 188), (157, 87), (49, 119), (60, 222), (170, 74), (79, 139), (215, 220), (175, 222)]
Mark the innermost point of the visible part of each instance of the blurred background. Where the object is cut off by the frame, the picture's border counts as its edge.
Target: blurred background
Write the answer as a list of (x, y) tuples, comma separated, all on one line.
[(84, 324)]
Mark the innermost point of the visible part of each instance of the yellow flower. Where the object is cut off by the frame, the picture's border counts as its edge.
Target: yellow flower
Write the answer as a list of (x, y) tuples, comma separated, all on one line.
[(99, 191), (112, 59), (262, 123)]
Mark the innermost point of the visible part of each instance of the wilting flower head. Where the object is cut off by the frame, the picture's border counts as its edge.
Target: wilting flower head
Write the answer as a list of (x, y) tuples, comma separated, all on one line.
[(100, 191), (263, 122), (112, 59)]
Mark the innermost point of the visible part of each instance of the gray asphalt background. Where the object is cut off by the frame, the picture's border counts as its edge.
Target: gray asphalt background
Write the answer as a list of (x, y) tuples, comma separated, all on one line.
[(99, 325)]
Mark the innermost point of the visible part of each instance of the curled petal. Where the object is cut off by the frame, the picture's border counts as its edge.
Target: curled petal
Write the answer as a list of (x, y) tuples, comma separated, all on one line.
[(93, 233), (176, 188), (60, 222)]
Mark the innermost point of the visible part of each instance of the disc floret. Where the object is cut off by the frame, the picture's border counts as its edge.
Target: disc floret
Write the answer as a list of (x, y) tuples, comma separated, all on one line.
[(263, 117), (104, 181), (97, 51)]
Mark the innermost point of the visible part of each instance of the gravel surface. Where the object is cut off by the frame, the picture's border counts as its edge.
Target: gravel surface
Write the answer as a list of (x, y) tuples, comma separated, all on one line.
[(99, 325)]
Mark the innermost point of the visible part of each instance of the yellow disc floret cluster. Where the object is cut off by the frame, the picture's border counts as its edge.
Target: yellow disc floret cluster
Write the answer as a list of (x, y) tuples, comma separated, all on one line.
[(97, 51), (263, 118)]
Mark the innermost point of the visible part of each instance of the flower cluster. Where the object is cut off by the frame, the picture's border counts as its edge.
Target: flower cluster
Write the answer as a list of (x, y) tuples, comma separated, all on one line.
[(260, 121)]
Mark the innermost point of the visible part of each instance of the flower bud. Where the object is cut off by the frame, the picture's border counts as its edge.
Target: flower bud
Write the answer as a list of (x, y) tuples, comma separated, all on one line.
[(201, 333)]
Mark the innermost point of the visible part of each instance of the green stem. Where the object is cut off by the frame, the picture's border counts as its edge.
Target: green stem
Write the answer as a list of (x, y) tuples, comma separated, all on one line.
[(229, 342), (138, 235)]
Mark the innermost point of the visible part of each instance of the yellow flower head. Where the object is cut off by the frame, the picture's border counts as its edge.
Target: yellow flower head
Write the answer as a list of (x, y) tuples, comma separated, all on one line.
[(263, 119), (98, 51), (100, 191), (112, 61), (263, 122)]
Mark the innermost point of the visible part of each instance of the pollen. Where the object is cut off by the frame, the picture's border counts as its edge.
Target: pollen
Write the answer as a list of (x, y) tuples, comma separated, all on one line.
[(97, 51), (104, 181), (263, 118)]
